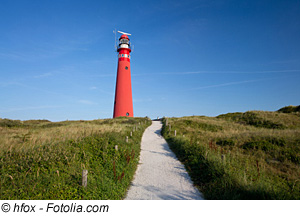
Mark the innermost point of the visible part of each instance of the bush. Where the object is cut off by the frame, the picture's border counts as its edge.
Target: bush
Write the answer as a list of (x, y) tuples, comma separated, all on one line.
[(225, 142), (251, 118), (265, 144), (199, 125), (289, 109), (10, 123), (258, 145)]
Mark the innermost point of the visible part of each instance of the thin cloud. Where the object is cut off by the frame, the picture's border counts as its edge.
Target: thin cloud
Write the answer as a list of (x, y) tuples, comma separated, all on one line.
[(29, 108), (12, 56), (4, 84), (245, 72), (236, 83), (43, 75), (100, 90), (218, 72), (224, 84), (102, 75), (104, 92), (142, 100), (87, 102)]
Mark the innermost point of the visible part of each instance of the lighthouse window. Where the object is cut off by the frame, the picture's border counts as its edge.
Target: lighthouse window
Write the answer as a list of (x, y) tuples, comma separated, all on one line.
[(126, 67), (127, 114), (122, 55), (124, 41)]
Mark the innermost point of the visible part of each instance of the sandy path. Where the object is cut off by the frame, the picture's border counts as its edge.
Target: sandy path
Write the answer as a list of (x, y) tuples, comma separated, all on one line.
[(160, 175)]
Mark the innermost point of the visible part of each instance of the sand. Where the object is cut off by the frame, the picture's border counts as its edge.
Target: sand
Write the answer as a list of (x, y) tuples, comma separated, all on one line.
[(160, 176)]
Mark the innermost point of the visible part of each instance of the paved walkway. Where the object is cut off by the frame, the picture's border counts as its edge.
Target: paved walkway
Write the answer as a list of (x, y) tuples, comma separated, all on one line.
[(160, 175)]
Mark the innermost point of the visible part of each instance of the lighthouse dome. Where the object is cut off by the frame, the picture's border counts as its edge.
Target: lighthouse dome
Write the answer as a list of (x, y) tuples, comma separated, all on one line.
[(124, 36)]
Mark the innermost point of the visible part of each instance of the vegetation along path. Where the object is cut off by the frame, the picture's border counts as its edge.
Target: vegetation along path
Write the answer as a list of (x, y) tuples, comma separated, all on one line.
[(160, 175)]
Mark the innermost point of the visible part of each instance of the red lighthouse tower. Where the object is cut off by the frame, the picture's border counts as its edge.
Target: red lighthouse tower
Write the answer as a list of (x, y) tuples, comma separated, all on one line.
[(123, 98)]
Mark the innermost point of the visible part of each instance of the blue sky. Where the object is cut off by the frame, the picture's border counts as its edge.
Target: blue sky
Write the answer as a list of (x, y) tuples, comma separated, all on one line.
[(203, 57)]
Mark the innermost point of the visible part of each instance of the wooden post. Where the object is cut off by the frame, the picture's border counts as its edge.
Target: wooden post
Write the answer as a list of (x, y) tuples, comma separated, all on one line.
[(126, 139), (84, 178), (175, 133), (167, 121), (130, 133), (169, 127), (223, 158), (116, 147)]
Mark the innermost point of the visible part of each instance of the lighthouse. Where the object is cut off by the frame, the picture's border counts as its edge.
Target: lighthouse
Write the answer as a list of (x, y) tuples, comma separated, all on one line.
[(123, 95)]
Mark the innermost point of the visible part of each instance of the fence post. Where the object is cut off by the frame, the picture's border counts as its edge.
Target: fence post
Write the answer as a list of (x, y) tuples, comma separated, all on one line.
[(169, 127), (130, 133), (84, 178), (167, 122), (126, 139), (116, 147), (175, 133)]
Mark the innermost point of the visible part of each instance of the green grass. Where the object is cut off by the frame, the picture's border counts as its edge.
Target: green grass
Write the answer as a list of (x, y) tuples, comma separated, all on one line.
[(290, 109), (251, 155), (44, 160)]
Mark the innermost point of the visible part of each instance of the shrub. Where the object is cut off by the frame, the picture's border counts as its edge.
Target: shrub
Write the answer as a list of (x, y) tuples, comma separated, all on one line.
[(225, 142), (10, 123), (265, 144), (251, 118), (289, 109), (199, 125), (258, 145)]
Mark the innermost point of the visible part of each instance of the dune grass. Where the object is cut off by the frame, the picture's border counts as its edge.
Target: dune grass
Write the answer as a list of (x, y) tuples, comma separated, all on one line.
[(44, 160), (251, 155)]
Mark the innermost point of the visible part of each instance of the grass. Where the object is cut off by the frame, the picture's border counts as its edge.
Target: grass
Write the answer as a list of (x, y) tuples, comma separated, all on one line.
[(290, 109), (251, 155), (44, 160)]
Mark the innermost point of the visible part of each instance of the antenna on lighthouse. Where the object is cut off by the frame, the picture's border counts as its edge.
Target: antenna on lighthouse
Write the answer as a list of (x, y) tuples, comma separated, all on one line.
[(121, 32), (115, 32)]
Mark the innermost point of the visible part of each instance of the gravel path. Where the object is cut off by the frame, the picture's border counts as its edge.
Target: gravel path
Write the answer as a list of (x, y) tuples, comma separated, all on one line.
[(160, 175)]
